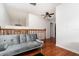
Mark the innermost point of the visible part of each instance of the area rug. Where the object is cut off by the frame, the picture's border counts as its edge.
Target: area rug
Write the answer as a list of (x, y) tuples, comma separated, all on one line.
[(39, 54)]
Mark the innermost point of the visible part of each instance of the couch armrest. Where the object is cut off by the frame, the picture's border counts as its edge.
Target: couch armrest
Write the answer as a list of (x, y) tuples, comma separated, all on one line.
[(39, 41)]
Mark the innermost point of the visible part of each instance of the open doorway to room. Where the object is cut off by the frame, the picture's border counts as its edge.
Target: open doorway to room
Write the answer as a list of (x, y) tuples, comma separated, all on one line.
[(52, 30)]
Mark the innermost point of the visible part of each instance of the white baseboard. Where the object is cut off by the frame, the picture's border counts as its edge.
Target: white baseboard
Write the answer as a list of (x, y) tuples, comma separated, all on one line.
[(74, 51)]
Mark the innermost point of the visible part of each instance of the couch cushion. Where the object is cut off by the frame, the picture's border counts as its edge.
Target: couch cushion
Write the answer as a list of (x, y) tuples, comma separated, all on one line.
[(22, 38), (31, 37), (19, 48), (9, 39), (30, 44), (28, 37), (33, 44)]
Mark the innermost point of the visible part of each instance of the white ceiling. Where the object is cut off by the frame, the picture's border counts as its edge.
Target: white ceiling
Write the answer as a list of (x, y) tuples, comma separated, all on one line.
[(19, 10), (40, 8)]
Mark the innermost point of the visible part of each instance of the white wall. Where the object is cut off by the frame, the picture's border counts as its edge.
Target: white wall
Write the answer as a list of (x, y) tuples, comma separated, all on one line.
[(4, 18), (17, 16), (39, 9), (67, 29), (36, 21)]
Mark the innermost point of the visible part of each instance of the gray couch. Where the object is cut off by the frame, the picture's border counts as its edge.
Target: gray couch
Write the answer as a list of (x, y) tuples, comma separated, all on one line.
[(16, 44)]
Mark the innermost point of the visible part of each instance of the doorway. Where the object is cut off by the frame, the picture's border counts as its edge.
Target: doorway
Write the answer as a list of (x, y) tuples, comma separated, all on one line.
[(52, 30)]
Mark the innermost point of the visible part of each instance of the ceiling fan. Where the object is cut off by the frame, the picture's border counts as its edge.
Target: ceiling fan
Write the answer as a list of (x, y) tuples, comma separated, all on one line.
[(47, 14)]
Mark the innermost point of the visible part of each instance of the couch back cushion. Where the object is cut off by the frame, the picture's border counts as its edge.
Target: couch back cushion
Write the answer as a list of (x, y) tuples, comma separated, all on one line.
[(31, 37), (28, 37), (22, 38), (9, 39)]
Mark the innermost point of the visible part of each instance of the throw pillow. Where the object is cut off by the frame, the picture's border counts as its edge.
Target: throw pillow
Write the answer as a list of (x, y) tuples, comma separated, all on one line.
[(33, 37), (2, 47), (28, 37), (22, 38)]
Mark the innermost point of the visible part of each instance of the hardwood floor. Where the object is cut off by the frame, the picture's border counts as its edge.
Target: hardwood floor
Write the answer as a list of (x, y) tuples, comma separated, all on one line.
[(50, 49)]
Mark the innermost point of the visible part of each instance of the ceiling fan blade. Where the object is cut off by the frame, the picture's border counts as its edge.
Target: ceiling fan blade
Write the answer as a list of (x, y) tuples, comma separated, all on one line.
[(52, 14), (47, 13)]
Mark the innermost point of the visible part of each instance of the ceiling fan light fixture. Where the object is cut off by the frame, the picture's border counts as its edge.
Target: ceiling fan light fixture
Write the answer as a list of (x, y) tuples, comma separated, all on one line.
[(48, 15), (34, 4)]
